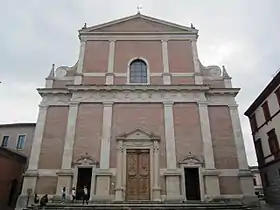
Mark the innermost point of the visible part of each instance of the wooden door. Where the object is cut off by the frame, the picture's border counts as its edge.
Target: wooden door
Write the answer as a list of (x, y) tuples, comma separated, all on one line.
[(138, 175)]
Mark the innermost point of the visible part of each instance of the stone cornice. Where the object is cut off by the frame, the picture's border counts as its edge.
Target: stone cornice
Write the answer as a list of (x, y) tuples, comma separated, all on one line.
[(107, 88), (138, 87), (223, 91), (137, 94)]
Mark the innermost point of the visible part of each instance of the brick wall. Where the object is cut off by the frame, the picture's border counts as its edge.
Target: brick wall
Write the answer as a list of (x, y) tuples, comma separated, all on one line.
[(225, 152), (127, 50), (96, 56), (88, 131), (180, 56), (187, 130), (230, 185), (46, 185), (53, 138)]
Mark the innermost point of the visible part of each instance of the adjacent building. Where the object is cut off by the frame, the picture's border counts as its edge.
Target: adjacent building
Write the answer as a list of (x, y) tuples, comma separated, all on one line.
[(16, 143), (17, 137), (138, 117), (257, 180), (265, 120)]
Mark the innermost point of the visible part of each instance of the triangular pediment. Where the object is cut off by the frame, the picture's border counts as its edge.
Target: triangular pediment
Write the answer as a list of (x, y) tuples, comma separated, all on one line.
[(138, 134), (139, 23)]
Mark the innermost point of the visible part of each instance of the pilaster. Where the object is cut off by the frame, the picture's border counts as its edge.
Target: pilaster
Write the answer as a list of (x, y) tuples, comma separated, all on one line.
[(70, 136), (238, 137), (104, 179), (65, 175), (211, 179), (245, 176), (30, 177), (169, 135), (110, 71), (156, 187), (119, 175), (166, 75), (38, 138), (198, 76), (78, 76), (172, 180)]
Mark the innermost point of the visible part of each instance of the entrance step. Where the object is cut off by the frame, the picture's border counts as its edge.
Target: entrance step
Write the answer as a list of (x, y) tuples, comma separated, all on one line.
[(138, 206)]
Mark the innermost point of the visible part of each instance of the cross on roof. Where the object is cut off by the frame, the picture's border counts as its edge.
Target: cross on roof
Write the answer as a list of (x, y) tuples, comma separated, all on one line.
[(139, 7)]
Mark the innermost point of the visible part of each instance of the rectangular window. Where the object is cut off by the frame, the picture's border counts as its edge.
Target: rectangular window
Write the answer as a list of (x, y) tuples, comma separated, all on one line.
[(259, 152), (5, 141), (273, 143), (253, 123), (266, 111), (277, 93), (21, 141)]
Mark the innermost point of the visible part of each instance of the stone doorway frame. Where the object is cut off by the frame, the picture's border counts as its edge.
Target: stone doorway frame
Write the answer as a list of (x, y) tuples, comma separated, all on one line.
[(190, 161), (85, 161), (137, 139)]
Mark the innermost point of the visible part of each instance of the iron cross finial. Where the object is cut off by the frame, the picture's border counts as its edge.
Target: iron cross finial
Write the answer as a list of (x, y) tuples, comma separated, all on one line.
[(139, 7)]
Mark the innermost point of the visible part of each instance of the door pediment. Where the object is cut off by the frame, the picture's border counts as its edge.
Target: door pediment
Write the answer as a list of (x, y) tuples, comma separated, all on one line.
[(138, 134), (85, 160)]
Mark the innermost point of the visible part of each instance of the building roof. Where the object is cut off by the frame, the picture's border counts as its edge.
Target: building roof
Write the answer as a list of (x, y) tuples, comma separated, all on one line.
[(17, 124), (264, 94), (12, 154), (138, 17)]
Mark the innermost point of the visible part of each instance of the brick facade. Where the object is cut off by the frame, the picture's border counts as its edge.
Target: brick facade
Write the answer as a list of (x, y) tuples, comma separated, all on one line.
[(175, 116), (222, 138), (53, 138)]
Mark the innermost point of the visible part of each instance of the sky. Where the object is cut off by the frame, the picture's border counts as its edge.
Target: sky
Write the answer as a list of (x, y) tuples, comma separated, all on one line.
[(243, 35)]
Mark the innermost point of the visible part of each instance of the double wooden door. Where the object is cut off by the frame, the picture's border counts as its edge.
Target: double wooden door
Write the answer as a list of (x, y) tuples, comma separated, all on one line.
[(138, 175)]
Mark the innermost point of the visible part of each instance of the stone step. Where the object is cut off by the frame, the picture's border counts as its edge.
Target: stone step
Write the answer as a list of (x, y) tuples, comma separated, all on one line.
[(138, 206)]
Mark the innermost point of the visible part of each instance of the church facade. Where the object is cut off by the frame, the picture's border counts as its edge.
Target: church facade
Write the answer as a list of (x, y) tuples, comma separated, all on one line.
[(138, 117)]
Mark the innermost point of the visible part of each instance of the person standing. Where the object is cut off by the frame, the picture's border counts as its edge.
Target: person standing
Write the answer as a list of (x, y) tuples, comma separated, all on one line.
[(73, 193), (63, 194), (85, 195)]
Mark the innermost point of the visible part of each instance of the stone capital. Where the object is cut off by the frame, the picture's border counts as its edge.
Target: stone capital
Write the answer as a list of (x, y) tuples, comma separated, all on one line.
[(74, 103), (168, 103), (108, 103), (43, 107), (233, 106), (202, 103)]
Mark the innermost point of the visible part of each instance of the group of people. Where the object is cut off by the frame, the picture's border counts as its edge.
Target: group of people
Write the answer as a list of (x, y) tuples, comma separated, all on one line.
[(44, 200), (85, 194)]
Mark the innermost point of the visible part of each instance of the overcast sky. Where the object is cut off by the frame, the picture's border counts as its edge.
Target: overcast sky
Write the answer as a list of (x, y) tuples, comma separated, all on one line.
[(241, 34)]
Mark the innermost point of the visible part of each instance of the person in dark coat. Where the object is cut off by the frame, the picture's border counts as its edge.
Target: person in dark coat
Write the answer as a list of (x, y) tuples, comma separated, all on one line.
[(36, 199), (44, 200)]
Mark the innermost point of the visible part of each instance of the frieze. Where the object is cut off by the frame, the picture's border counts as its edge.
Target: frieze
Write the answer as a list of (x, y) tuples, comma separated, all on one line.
[(147, 94)]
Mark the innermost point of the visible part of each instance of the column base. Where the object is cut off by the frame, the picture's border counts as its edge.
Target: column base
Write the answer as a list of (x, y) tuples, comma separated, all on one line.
[(173, 186), (119, 194), (103, 185), (156, 194), (64, 179), (251, 201), (212, 184)]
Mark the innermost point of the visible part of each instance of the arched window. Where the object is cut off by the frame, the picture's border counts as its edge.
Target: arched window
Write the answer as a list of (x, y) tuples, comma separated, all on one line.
[(138, 72)]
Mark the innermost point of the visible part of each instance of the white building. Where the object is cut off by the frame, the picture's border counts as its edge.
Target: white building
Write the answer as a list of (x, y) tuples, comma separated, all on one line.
[(265, 124)]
